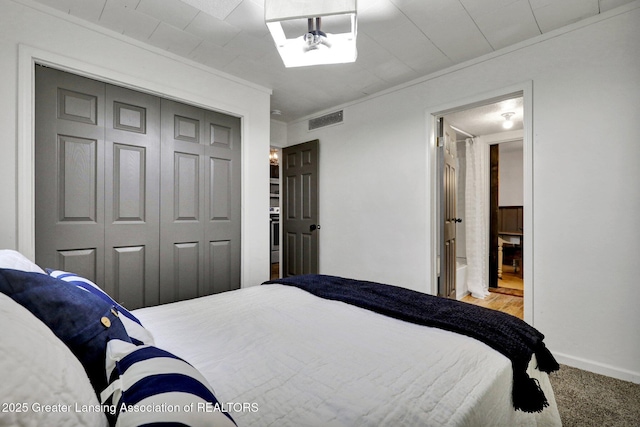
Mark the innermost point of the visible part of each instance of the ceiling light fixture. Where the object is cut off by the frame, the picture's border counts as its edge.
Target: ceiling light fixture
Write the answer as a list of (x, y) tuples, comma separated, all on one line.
[(508, 123), (314, 47)]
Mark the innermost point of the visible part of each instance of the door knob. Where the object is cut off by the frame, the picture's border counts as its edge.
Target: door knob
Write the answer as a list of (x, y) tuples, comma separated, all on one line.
[(456, 219), (314, 227)]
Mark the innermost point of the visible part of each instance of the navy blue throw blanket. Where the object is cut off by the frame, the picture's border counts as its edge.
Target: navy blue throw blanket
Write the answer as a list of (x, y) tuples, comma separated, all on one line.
[(501, 331)]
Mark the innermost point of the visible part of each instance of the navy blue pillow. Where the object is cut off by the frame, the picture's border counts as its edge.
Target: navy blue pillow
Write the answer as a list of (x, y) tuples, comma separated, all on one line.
[(83, 321), (138, 334)]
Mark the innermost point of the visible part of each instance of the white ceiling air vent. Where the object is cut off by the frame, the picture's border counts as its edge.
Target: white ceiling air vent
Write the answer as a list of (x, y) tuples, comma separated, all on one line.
[(326, 120)]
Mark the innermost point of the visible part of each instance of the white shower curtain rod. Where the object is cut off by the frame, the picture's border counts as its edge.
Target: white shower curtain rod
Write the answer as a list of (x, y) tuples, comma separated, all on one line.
[(462, 132)]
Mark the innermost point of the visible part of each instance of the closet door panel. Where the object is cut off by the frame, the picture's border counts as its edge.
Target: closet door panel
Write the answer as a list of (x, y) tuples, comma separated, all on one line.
[(220, 189), (222, 228), (186, 272), (200, 202), (69, 179), (220, 267), (130, 275), (186, 187), (132, 197), (82, 262), (129, 183), (182, 243)]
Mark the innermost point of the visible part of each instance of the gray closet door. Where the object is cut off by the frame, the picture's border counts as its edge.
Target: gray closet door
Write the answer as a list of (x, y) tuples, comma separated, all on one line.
[(138, 194), (69, 178), (97, 174), (200, 211), (132, 197), (222, 202)]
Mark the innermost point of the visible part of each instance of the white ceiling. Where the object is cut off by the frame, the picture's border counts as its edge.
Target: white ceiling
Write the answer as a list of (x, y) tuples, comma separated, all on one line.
[(398, 40), (487, 119)]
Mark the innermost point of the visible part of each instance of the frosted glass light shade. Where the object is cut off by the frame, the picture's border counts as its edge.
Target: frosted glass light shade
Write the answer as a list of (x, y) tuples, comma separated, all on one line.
[(340, 47)]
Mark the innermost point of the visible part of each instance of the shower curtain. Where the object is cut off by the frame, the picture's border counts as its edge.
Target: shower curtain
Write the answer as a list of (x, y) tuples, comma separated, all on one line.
[(476, 201)]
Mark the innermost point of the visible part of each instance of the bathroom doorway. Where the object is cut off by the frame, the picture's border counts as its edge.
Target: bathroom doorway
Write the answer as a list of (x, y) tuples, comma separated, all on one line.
[(479, 131)]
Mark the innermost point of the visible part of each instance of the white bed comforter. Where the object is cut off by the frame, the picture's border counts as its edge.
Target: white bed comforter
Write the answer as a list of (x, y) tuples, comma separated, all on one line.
[(297, 360)]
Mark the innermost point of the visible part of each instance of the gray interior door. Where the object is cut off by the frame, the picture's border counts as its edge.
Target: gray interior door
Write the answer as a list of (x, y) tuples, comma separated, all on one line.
[(300, 209), (447, 214), (125, 180)]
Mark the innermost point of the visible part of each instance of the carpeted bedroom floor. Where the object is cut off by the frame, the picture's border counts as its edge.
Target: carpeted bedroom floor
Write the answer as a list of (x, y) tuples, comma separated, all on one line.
[(586, 399)]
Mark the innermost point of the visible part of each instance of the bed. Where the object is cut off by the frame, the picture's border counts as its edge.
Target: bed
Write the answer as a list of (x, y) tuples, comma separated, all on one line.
[(277, 355)]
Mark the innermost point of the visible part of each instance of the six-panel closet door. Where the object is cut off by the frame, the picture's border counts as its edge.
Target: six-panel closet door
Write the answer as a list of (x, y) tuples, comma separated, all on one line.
[(132, 196), (69, 176), (200, 229), (137, 193)]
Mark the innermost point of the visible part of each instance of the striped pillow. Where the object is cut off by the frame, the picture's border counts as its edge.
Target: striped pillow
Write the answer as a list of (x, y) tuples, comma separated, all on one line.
[(150, 386), (138, 334)]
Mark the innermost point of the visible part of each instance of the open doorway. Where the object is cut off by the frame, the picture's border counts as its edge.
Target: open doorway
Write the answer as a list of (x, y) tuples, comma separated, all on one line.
[(490, 202), (275, 154), (506, 236)]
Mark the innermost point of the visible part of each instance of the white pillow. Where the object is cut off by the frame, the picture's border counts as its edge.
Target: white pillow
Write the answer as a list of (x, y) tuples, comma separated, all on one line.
[(37, 369), (16, 261)]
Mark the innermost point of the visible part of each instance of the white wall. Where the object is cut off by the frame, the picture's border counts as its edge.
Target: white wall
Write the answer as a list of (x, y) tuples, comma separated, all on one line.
[(278, 133), (375, 186), (27, 34)]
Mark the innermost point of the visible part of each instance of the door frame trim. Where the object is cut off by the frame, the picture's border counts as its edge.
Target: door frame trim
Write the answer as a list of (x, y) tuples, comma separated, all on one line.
[(524, 89), (28, 58)]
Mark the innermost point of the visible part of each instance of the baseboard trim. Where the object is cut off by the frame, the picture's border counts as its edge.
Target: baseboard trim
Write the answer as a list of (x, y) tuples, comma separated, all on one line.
[(462, 295), (598, 368)]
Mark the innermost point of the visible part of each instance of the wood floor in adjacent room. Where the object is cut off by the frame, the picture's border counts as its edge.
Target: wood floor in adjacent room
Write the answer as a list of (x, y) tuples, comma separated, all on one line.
[(508, 297), (502, 302), (275, 271), (511, 279)]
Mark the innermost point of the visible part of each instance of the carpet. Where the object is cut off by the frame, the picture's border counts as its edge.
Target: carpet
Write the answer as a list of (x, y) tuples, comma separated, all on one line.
[(586, 399)]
